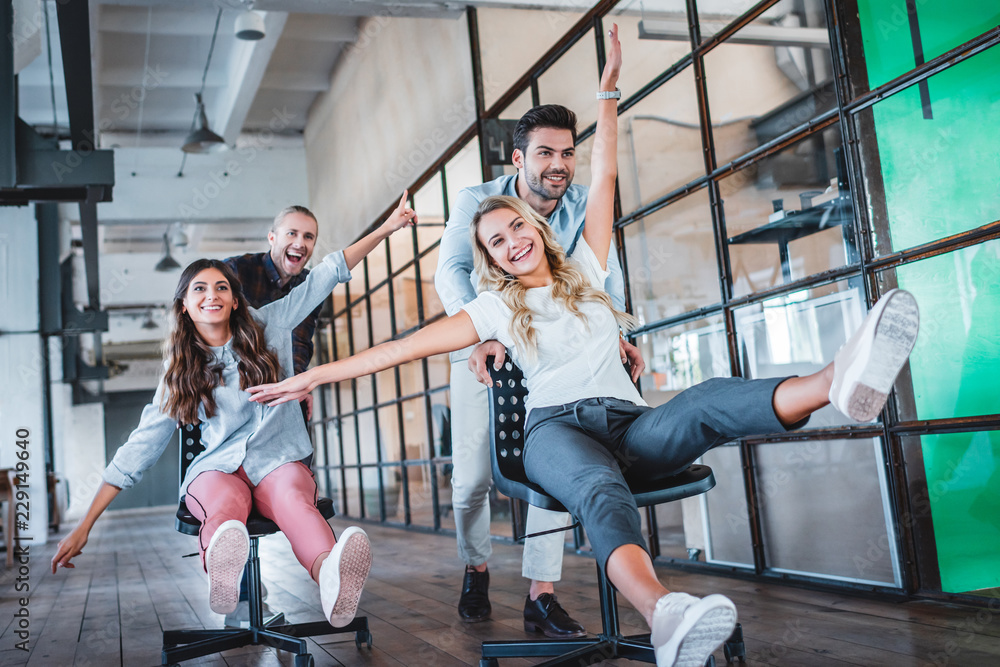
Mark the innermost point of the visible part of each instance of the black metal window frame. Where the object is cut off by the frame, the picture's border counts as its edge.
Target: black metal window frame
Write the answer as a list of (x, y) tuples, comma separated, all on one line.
[(866, 268)]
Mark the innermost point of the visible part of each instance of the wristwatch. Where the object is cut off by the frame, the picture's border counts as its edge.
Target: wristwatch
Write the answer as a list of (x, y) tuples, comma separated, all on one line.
[(609, 94)]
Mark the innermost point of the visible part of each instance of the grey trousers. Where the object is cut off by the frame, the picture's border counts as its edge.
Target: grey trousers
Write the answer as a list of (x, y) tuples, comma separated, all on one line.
[(583, 453)]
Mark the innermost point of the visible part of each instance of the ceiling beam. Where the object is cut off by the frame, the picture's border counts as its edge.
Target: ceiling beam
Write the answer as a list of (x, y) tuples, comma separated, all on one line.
[(8, 100), (248, 62)]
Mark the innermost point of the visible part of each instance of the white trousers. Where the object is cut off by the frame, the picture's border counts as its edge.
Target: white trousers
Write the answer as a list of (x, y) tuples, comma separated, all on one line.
[(472, 478)]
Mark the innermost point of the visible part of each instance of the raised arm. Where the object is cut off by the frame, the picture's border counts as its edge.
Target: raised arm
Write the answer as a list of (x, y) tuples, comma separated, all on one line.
[(604, 159), (290, 310), (447, 335), (399, 218)]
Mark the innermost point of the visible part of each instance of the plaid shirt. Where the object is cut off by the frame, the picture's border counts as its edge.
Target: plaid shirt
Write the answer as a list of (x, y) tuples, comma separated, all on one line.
[(262, 285)]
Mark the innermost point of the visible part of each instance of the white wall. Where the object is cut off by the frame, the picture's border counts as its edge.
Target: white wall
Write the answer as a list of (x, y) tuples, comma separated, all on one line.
[(399, 96), (22, 425)]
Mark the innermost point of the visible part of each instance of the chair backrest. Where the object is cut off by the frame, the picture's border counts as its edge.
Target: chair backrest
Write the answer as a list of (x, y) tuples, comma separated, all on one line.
[(506, 397), (190, 445), (507, 422)]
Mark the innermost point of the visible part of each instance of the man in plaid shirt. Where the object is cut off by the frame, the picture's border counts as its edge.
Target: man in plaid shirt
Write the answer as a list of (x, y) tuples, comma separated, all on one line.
[(268, 276)]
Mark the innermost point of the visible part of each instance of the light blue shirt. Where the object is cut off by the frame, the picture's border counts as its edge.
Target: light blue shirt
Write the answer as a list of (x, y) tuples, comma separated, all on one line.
[(242, 433), (455, 279)]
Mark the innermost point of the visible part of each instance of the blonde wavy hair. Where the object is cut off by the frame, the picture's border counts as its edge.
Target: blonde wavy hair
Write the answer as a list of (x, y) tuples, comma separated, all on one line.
[(569, 287)]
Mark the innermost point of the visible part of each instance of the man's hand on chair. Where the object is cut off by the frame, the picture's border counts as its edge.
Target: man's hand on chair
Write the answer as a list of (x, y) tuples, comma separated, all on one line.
[(477, 360)]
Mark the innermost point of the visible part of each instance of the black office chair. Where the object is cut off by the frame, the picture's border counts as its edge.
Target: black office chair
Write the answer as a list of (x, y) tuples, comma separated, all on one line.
[(181, 645), (507, 415)]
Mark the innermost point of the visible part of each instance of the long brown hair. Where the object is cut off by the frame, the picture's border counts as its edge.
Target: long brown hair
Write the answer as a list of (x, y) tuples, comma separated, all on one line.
[(192, 372), (569, 286)]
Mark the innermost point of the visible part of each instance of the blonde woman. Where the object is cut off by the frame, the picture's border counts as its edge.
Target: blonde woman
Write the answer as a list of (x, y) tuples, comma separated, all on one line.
[(584, 415)]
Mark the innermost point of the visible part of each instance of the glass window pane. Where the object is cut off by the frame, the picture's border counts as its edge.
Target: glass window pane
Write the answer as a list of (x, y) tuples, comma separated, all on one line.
[(447, 516), (377, 265), (381, 315), (572, 81), (890, 46), (404, 295), (956, 476), (933, 172), (428, 266), (462, 171), (428, 202), (386, 383), (647, 58), (822, 509), (714, 15), (517, 108), (763, 82), (369, 436), (582, 173), (799, 334), (789, 215), (401, 246), (682, 356), (339, 295), (659, 143), (359, 326), (418, 449), (671, 258), (955, 364), (411, 378), (438, 371), (728, 522), (536, 32), (388, 427)]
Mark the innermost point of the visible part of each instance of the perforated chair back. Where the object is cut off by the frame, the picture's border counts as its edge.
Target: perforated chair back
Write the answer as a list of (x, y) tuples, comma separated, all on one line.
[(507, 417)]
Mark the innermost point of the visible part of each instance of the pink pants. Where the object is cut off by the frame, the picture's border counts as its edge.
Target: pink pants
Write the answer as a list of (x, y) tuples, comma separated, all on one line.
[(287, 496)]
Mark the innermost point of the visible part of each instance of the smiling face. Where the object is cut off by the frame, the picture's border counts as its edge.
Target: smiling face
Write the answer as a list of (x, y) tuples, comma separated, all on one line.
[(549, 163), (292, 243), (209, 300), (515, 246)]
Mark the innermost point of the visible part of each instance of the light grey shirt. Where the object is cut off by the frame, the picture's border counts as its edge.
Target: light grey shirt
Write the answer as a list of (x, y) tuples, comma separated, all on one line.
[(241, 433)]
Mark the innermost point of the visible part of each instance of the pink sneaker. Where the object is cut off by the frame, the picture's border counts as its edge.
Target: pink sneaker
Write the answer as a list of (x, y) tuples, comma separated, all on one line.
[(686, 630), (225, 559), (343, 575), (866, 367)]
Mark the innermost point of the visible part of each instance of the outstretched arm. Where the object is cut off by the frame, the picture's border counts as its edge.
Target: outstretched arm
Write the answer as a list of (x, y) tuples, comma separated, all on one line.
[(72, 545), (604, 159), (399, 218), (447, 335)]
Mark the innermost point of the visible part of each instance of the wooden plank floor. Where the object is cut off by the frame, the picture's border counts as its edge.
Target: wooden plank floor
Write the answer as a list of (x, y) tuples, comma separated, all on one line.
[(132, 582)]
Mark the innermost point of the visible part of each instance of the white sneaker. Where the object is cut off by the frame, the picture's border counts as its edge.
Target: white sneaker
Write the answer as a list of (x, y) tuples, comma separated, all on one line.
[(225, 558), (686, 630), (866, 367), (343, 575)]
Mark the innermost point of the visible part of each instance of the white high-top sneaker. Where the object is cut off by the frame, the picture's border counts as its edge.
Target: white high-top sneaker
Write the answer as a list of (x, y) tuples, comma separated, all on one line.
[(867, 365), (225, 559), (343, 575), (686, 629)]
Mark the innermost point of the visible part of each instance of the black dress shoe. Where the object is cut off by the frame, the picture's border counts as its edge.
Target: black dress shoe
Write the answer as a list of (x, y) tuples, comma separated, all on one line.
[(474, 605), (547, 616)]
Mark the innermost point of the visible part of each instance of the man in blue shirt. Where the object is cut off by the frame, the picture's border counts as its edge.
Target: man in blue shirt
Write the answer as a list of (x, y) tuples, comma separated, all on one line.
[(545, 157)]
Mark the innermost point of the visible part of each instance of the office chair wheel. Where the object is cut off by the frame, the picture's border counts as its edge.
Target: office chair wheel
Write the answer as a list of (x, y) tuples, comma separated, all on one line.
[(304, 660), (363, 637), (734, 648), (710, 662)]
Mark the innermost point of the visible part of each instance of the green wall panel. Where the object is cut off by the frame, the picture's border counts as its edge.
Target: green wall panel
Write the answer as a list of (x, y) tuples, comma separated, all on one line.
[(940, 167)]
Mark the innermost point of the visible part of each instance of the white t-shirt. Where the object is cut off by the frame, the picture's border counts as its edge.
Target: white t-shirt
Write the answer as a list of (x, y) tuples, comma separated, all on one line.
[(576, 359)]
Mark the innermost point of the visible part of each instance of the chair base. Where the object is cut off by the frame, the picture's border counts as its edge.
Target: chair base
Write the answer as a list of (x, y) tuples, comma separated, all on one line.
[(610, 644), (179, 645), (589, 650)]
